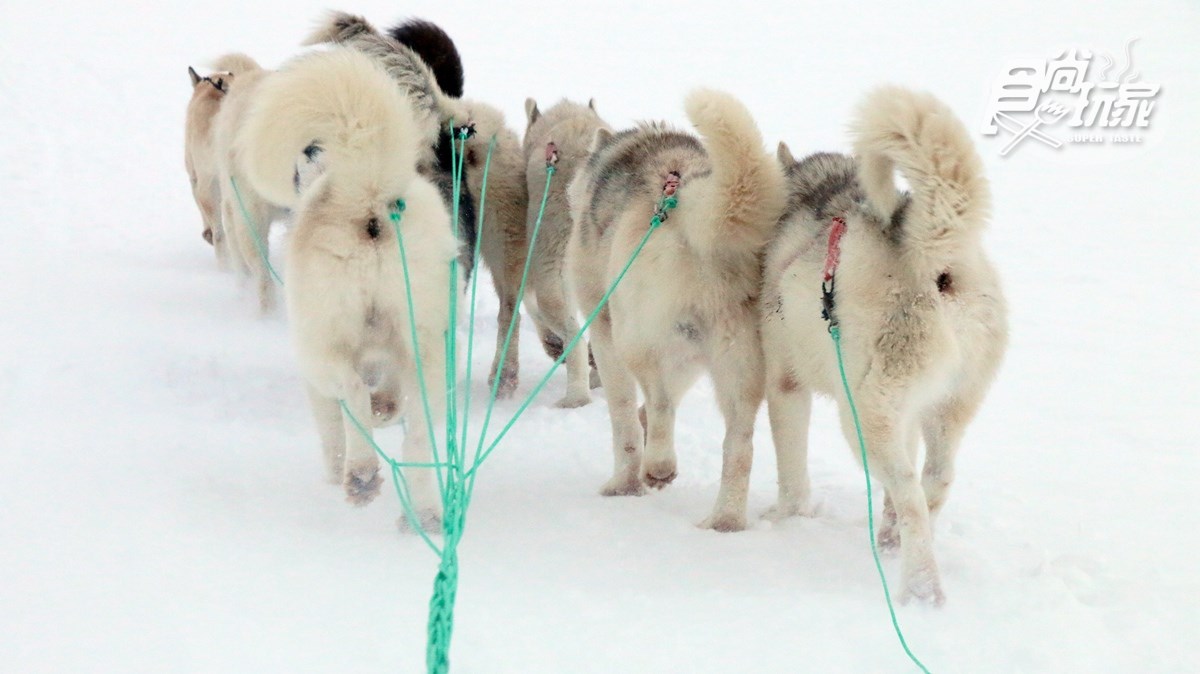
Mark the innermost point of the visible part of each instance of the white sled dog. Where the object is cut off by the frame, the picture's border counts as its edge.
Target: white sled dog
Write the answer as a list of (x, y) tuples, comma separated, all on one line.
[(570, 128), (689, 302), (199, 144), (424, 62), (920, 309), (345, 286)]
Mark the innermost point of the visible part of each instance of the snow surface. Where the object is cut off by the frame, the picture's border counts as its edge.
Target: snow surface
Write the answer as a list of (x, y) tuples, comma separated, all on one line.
[(162, 507)]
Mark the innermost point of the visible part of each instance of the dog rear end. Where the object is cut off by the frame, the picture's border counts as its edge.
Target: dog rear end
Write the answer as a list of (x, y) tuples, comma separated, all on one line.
[(921, 313), (345, 282)]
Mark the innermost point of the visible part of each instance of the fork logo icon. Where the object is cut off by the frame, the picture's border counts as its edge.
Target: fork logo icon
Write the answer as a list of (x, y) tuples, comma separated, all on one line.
[(1034, 95)]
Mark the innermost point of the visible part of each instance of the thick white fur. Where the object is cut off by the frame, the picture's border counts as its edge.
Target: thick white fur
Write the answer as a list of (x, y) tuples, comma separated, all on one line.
[(344, 282), (919, 359), (918, 135), (688, 303)]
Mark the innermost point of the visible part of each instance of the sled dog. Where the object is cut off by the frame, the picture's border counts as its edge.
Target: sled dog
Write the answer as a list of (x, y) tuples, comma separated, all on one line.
[(689, 302), (918, 304), (345, 285)]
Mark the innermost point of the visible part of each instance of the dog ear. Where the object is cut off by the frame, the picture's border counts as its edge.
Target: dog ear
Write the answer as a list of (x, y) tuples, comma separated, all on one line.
[(531, 111), (784, 153), (600, 139), (592, 105), (195, 78)]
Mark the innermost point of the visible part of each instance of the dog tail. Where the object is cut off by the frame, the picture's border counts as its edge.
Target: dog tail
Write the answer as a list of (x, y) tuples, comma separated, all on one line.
[(235, 63), (749, 196), (337, 27), (436, 48), (344, 104), (913, 132)]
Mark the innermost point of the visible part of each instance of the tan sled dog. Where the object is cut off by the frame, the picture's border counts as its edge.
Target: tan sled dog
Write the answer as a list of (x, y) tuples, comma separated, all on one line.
[(920, 309), (570, 127), (199, 151)]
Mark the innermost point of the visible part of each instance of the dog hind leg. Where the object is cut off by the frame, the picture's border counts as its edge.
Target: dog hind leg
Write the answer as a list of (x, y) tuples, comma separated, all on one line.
[(738, 378), (789, 406), (328, 415), (627, 438), (889, 459), (360, 478)]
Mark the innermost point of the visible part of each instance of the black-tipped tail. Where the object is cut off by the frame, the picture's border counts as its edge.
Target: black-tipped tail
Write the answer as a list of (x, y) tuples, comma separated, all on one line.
[(436, 49)]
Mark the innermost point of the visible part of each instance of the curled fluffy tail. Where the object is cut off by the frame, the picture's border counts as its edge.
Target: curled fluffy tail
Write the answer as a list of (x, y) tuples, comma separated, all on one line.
[(235, 63), (914, 132), (345, 103), (749, 195)]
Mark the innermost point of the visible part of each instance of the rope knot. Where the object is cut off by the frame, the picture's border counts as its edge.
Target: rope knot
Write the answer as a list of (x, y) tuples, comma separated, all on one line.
[(551, 154), (833, 256), (668, 200)]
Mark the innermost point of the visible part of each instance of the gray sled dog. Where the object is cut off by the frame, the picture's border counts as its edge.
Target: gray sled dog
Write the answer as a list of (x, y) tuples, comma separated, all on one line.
[(567, 130), (689, 302), (199, 144), (345, 286), (246, 216), (919, 305)]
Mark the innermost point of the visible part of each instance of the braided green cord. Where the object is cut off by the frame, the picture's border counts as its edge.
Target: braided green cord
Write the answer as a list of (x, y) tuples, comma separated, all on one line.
[(836, 333), (454, 499), (258, 243)]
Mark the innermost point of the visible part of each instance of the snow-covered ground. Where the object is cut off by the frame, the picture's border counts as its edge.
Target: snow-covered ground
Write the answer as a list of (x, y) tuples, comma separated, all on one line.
[(162, 507)]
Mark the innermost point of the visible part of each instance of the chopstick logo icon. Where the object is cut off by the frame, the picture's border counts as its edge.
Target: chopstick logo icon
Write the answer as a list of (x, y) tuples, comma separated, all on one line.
[(1046, 115)]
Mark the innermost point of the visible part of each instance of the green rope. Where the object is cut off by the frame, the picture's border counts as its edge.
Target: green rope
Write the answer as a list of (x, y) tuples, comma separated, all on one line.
[(412, 324), (475, 284), (398, 480), (512, 324), (836, 333), (660, 215), (456, 481), (258, 242)]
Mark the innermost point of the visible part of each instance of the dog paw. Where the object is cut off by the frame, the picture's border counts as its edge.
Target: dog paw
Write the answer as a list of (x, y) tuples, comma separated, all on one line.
[(429, 519), (622, 485), (573, 400), (925, 587), (887, 539), (660, 473), (783, 510), (383, 409), (725, 522), (362, 485), (508, 383)]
